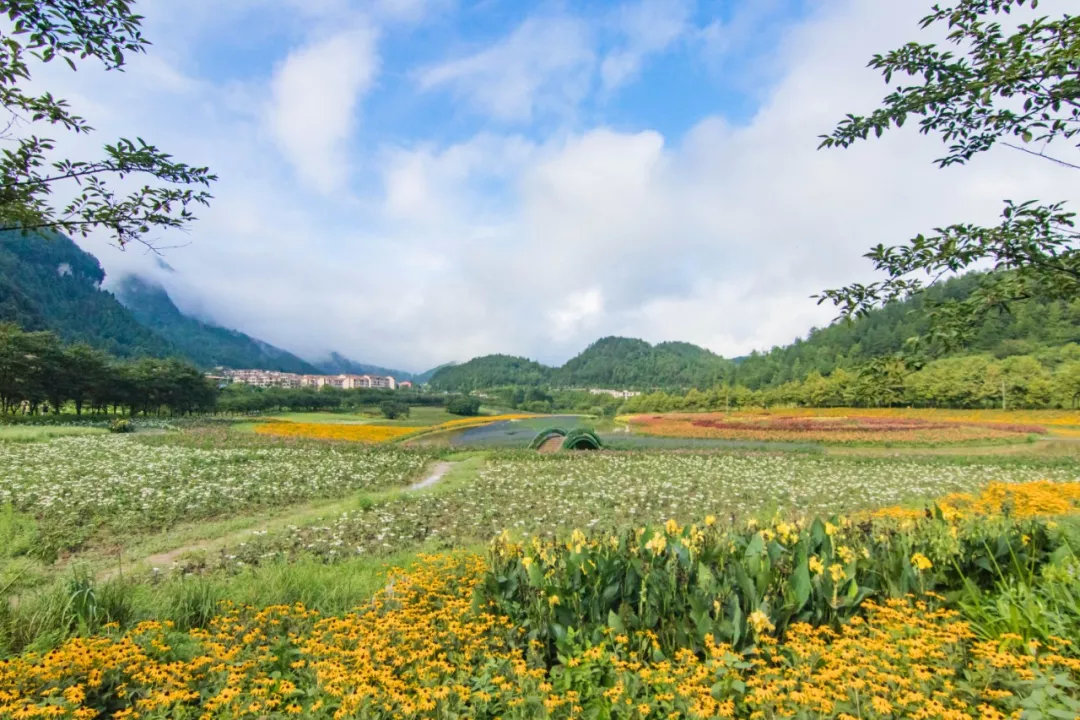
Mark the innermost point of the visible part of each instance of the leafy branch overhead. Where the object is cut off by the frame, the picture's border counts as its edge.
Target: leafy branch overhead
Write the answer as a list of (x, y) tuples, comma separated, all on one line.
[(136, 187), (1018, 87)]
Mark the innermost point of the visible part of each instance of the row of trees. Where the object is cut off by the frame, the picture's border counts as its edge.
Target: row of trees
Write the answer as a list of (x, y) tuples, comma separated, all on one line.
[(246, 399), (975, 381), (38, 374)]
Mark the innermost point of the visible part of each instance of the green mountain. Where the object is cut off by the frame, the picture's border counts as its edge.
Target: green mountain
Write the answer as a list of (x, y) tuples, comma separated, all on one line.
[(616, 362), (1030, 327), (490, 371), (48, 283), (204, 344), (611, 362)]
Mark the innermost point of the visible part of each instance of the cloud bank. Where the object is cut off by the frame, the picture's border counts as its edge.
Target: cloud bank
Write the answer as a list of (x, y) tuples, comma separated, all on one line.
[(411, 247)]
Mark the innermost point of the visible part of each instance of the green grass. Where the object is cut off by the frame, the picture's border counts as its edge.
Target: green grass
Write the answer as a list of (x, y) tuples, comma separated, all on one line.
[(77, 604), (38, 433)]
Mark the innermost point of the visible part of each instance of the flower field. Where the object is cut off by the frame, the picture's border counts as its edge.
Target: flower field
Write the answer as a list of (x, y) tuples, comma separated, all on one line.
[(528, 494), (371, 432), (76, 486), (851, 427), (449, 638), (352, 432)]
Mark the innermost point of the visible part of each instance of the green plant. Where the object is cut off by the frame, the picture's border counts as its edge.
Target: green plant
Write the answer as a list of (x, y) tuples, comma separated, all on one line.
[(463, 405), (121, 425), (684, 584)]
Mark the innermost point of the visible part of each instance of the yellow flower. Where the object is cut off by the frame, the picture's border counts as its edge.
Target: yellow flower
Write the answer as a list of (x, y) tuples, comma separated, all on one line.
[(836, 571), (830, 529), (553, 600), (710, 520), (657, 544), (526, 562), (816, 566), (921, 562), (760, 621)]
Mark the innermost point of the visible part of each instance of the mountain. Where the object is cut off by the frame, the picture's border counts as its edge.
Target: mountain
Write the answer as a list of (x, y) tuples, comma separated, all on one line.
[(338, 364), (490, 371), (48, 283), (1026, 328), (611, 362), (204, 344), (425, 377), (616, 362)]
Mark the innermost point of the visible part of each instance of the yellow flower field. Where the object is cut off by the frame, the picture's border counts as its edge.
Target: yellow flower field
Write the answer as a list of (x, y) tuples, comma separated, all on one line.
[(331, 431), (1020, 500), (421, 650), (479, 420), (371, 433)]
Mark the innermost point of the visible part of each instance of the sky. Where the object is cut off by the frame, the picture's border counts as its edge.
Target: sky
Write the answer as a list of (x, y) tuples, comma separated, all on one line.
[(411, 182)]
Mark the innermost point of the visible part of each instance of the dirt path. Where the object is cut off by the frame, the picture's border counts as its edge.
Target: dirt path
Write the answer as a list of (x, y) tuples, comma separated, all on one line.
[(165, 560), (438, 471)]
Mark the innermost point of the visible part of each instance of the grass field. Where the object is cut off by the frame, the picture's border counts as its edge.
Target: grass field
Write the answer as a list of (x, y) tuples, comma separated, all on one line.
[(98, 529), (31, 433)]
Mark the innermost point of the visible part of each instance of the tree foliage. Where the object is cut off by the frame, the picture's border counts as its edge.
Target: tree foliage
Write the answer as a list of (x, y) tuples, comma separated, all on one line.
[(37, 372), (101, 194), (1013, 84)]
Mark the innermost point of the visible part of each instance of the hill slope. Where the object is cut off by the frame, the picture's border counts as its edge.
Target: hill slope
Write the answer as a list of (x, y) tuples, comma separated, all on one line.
[(205, 344), (1026, 328), (48, 283), (611, 362), (490, 371), (616, 362)]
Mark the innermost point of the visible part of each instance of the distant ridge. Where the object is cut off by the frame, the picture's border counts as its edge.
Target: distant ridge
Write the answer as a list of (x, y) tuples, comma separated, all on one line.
[(204, 344), (610, 362)]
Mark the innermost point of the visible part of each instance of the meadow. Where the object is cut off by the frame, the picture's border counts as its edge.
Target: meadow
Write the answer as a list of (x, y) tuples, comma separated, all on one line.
[(301, 571)]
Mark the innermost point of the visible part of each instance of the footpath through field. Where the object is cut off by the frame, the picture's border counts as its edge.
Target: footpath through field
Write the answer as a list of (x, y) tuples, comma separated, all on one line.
[(295, 516)]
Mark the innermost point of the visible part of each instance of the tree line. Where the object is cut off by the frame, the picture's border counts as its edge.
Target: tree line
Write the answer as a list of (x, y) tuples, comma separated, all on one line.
[(972, 381), (39, 374), (239, 398)]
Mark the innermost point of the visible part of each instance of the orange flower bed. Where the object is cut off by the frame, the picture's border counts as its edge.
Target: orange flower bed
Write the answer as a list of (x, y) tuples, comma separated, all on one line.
[(831, 428), (330, 431)]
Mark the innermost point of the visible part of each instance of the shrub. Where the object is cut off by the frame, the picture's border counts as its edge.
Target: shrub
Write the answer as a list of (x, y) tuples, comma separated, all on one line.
[(392, 409), (121, 425), (463, 405)]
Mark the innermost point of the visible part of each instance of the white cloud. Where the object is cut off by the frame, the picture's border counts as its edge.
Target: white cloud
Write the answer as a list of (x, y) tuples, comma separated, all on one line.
[(646, 27), (316, 94), (537, 244), (544, 65)]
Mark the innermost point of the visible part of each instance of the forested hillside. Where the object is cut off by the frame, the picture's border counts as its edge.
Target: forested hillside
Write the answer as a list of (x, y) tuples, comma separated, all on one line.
[(1026, 328), (48, 283), (1037, 329), (490, 371), (615, 362), (204, 344), (611, 362)]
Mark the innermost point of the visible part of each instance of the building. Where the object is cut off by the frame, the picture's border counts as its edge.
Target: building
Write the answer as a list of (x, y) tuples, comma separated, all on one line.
[(274, 378), (614, 393)]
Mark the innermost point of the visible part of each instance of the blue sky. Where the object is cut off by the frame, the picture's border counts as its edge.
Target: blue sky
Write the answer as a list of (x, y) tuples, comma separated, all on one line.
[(410, 182)]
